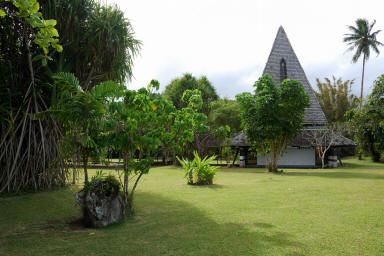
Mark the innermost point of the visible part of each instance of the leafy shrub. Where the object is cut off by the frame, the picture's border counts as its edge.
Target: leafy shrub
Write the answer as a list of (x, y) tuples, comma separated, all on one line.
[(103, 185), (198, 171)]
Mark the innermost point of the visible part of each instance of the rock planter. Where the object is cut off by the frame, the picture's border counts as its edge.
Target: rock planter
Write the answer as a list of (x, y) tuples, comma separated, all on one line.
[(100, 211), (101, 202)]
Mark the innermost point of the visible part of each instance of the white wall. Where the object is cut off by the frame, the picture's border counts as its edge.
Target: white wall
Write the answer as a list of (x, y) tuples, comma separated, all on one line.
[(293, 157)]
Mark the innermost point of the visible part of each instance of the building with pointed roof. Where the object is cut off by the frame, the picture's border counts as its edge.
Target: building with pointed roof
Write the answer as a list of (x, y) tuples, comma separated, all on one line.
[(282, 64)]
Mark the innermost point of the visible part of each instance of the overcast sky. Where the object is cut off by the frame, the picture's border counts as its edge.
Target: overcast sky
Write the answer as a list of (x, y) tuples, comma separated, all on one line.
[(229, 40)]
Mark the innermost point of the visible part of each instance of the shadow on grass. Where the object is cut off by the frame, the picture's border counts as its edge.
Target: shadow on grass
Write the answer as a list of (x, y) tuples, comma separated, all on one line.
[(363, 170), (179, 228), (160, 227), (338, 175), (243, 170)]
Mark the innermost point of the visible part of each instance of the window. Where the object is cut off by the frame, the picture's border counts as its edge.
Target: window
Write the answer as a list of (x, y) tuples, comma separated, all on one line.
[(283, 70)]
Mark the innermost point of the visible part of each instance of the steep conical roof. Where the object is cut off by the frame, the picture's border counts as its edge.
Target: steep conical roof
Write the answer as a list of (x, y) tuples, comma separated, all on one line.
[(282, 49)]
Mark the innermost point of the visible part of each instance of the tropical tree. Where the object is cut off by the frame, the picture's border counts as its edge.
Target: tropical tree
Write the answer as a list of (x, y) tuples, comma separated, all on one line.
[(185, 124), (368, 122), (225, 112), (99, 45), (83, 114), (335, 98), (99, 42), (273, 116), (175, 90), (135, 129), (323, 139), (362, 39), (29, 148)]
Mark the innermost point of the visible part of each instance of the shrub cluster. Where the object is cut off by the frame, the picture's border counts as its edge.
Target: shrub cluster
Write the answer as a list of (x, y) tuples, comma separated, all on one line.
[(103, 185), (199, 171)]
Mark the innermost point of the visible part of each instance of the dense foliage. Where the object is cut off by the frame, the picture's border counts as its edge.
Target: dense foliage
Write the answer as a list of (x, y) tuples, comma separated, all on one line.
[(29, 149), (368, 122), (99, 42), (225, 112), (335, 98), (103, 185), (199, 171), (47, 115), (273, 115), (82, 115), (175, 90)]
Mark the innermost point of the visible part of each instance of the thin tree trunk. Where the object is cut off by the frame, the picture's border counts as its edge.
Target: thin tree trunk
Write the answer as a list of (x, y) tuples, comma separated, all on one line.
[(74, 170), (362, 83), (85, 164), (322, 161), (132, 193), (126, 180)]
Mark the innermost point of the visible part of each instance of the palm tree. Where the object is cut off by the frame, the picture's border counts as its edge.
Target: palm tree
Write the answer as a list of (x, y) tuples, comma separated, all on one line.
[(363, 40)]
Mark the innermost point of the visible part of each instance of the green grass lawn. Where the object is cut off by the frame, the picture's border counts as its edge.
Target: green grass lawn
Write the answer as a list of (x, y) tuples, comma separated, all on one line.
[(247, 212)]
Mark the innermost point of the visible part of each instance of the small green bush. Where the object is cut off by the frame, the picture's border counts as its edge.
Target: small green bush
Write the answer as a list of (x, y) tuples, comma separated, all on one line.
[(103, 185), (199, 171)]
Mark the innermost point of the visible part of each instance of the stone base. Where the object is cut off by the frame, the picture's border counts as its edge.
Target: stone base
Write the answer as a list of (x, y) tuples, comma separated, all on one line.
[(101, 211)]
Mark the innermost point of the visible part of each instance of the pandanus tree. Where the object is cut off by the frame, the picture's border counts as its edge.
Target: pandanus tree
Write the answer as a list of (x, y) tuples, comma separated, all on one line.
[(99, 42), (29, 150), (362, 39)]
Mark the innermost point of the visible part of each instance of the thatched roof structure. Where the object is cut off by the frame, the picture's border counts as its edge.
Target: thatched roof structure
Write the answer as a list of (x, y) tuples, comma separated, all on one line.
[(300, 141), (283, 63)]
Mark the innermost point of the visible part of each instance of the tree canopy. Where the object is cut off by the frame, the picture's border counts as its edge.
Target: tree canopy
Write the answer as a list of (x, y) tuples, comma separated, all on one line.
[(273, 115), (367, 123), (335, 98), (175, 90), (225, 112), (99, 42), (96, 44)]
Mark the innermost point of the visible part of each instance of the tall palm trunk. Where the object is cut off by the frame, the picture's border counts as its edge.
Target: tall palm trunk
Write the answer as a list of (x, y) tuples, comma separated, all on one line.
[(362, 83)]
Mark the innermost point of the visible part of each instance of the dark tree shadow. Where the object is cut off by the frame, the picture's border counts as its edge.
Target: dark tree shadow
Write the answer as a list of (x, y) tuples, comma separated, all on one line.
[(160, 227)]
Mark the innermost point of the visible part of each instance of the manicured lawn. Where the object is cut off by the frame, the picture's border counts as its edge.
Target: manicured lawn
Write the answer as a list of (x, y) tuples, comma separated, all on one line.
[(247, 212)]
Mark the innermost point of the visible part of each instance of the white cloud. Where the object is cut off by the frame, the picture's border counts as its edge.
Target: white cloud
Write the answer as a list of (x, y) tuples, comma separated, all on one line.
[(229, 41)]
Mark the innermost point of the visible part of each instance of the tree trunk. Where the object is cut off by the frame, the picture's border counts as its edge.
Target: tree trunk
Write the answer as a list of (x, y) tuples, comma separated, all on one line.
[(74, 170), (322, 162), (175, 162), (272, 167), (362, 83), (374, 153), (130, 199), (126, 180), (85, 165)]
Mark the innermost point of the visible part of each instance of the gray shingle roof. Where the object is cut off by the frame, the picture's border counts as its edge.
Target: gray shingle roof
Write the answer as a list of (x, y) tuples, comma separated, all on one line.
[(282, 49), (240, 140)]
